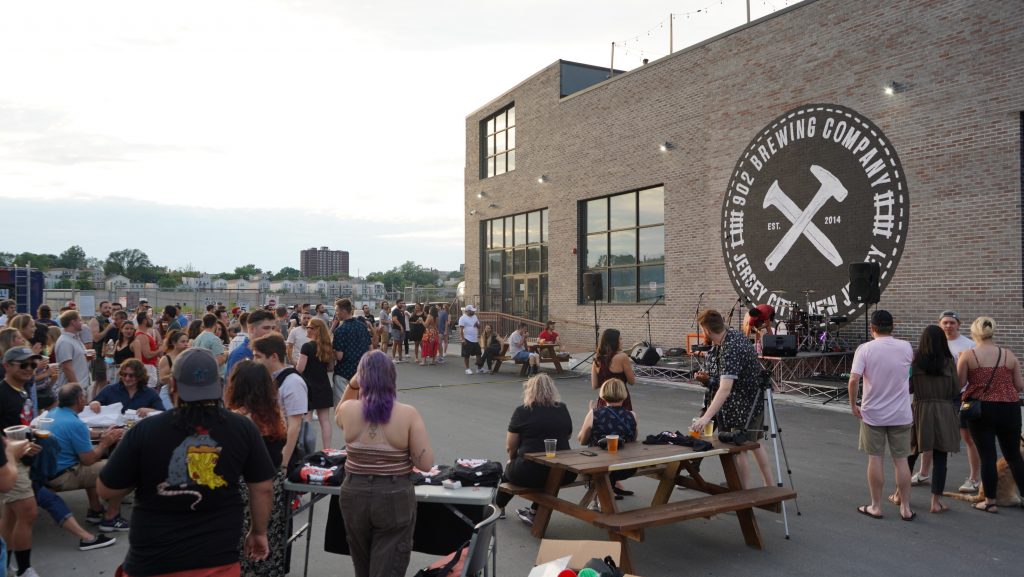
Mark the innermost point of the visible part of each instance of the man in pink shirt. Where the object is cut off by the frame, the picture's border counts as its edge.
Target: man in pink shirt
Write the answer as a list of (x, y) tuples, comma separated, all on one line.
[(884, 363)]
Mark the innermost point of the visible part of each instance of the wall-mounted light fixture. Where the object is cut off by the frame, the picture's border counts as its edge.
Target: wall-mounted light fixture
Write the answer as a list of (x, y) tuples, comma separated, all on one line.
[(542, 178), (472, 212), (895, 87), (481, 194), (666, 146)]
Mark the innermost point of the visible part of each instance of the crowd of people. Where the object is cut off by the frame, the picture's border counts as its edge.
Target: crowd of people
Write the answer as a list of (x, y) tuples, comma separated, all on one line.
[(218, 408)]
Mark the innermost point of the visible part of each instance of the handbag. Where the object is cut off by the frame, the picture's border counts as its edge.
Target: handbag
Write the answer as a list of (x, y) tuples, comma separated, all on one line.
[(448, 566), (603, 567), (970, 409)]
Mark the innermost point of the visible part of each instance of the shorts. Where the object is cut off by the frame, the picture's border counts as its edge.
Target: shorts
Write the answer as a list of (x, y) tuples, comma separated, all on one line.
[(963, 419), (98, 369), (77, 477), (396, 335), (470, 349), (22, 487), (873, 439)]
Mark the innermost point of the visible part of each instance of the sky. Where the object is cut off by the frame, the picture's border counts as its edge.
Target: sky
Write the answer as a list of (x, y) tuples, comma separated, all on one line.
[(212, 134)]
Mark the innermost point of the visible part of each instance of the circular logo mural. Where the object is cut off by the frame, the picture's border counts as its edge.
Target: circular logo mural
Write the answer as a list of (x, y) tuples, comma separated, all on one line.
[(818, 189)]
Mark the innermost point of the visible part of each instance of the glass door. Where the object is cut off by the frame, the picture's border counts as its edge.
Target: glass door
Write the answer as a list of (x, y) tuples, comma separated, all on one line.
[(527, 297)]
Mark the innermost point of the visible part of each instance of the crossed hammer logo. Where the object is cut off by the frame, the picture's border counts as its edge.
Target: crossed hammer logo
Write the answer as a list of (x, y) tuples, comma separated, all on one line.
[(802, 225)]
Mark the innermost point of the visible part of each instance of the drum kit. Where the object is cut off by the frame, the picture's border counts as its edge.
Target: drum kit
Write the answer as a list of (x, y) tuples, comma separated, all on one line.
[(814, 332)]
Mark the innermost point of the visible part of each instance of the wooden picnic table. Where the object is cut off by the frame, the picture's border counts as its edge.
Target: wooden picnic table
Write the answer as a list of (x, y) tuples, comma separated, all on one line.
[(548, 354), (676, 465)]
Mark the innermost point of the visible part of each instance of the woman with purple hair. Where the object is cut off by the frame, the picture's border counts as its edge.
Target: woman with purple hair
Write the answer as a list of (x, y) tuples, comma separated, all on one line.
[(385, 439)]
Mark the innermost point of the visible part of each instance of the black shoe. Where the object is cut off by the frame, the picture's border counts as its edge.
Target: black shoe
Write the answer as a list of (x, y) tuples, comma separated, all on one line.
[(622, 492), (98, 542)]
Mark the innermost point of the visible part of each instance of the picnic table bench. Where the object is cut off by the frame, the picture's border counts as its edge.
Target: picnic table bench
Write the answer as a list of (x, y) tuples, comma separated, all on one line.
[(547, 353), (673, 466)]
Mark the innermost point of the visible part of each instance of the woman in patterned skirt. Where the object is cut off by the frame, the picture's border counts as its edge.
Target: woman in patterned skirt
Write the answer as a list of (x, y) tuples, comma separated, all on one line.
[(251, 392)]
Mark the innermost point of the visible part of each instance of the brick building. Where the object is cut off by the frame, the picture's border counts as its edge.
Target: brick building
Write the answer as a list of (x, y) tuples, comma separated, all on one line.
[(323, 262), (759, 164)]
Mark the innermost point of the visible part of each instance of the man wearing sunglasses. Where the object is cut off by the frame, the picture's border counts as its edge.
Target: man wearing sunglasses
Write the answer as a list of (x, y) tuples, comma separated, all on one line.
[(19, 504)]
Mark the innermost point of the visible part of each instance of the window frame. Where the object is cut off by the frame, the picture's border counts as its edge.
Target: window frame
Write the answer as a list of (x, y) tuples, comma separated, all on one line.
[(489, 129), (605, 267)]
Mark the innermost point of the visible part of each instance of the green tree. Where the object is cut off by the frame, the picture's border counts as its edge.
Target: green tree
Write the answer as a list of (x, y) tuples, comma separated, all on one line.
[(83, 284), (131, 262), (167, 282), (246, 271), (74, 258), (287, 273), (64, 283), (6, 258), (39, 261)]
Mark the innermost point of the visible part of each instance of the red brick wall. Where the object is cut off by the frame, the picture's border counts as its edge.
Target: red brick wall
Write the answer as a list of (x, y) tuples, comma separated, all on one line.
[(956, 128)]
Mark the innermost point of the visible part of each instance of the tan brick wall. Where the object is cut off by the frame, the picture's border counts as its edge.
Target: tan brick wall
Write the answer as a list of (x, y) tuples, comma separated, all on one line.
[(956, 128)]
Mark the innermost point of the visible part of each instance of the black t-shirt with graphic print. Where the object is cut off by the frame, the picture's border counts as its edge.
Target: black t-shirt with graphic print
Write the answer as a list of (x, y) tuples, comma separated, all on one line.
[(188, 509)]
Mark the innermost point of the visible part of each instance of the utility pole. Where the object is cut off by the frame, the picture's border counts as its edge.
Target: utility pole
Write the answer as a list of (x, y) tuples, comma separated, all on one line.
[(670, 18), (611, 68)]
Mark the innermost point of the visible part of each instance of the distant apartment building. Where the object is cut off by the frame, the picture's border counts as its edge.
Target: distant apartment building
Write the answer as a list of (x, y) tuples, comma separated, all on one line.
[(323, 262)]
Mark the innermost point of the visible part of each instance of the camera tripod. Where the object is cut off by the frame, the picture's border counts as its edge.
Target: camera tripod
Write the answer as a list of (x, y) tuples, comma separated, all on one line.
[(776, 435)]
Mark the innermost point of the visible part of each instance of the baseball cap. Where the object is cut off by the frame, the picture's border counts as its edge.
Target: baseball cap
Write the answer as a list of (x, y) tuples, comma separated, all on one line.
[(470, 308), (951, 314), (143, 300), (20, 354), (196, 376), (881, 318)]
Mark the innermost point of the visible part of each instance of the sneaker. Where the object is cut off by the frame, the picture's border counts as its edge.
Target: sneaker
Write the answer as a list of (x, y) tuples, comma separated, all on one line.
[(919, 479), (969, 486), (118, 523), (94, 517), (98, 542), (30, 572), (440, 361), (484, 371), (422, 364), (501, 513), (594, 506), (469, 371), (526, 515)]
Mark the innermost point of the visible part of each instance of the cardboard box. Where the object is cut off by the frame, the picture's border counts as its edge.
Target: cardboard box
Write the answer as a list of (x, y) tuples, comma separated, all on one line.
[(579, 551)]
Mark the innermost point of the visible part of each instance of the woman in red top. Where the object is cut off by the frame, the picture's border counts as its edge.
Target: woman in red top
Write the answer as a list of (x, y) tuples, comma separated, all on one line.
[(146, 349), (992, 374)]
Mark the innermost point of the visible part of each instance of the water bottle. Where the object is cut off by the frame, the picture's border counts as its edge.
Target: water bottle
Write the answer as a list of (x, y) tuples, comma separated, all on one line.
[(108, 361)]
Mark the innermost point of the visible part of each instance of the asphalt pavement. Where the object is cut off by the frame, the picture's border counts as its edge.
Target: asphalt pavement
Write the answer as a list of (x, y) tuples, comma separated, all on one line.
[(467, 415)]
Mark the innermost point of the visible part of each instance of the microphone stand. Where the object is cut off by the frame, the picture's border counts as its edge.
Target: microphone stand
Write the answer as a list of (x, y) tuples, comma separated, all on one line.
[(733, 310), (647, 314)]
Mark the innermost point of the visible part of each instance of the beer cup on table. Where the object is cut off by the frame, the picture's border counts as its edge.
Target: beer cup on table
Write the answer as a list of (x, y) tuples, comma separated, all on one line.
[(613, 443), (550, 447)]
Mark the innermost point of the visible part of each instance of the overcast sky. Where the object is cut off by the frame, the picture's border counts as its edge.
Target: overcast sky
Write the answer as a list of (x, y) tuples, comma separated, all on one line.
[(223, 132)]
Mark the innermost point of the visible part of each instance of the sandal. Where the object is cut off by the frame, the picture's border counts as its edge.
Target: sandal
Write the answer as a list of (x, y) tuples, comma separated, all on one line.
[(895, 499), (863, 510), (986, 507), (910, 518)]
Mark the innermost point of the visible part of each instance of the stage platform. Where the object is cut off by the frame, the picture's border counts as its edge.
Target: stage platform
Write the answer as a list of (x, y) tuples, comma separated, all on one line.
[(810, 374)]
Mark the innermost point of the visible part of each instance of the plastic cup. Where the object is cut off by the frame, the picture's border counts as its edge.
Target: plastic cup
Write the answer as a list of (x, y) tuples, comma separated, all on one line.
[(90, 354), (613, 443), (550, 446), (43, 427), (709, 429), (17, 432), (694, 434)]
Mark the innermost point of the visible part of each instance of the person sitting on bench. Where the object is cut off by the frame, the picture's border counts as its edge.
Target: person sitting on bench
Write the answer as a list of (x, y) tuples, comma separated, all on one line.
[(610, 419), (492, 349), (517, 349), (542, 415)]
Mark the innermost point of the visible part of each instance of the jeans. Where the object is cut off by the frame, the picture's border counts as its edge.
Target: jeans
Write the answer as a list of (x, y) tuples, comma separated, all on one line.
[(379, 514), (999, 421), (938, 470), (53, 504)]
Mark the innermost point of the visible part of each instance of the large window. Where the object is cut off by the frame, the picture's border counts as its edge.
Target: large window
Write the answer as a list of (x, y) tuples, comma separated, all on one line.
[(498, 150), (624, 236), (515, 254)]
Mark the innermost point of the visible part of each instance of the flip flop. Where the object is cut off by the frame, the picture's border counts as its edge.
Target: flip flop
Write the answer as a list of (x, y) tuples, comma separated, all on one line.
[(942, 509), (863, 510), (894, 499), (986, 507), (910, 518)]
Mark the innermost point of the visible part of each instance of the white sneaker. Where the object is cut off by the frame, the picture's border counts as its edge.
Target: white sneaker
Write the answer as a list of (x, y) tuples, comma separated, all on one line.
[(469, 371), (484, 371), (30, 572), (969, 486), (918, 479)]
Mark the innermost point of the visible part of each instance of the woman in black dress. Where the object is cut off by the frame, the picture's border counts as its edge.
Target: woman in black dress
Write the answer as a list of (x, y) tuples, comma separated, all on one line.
[(416, 327), (315, 364)]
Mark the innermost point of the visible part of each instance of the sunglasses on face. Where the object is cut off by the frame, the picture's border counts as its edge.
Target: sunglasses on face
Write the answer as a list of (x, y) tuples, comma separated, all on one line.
[(28, 365), (132, 375)]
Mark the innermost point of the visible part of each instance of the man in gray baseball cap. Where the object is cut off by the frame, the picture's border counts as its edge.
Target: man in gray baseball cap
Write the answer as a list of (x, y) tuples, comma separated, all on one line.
[(185, 465)]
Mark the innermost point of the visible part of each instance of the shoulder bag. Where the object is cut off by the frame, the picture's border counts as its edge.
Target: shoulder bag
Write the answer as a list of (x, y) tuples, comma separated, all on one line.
[(970, 409)]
